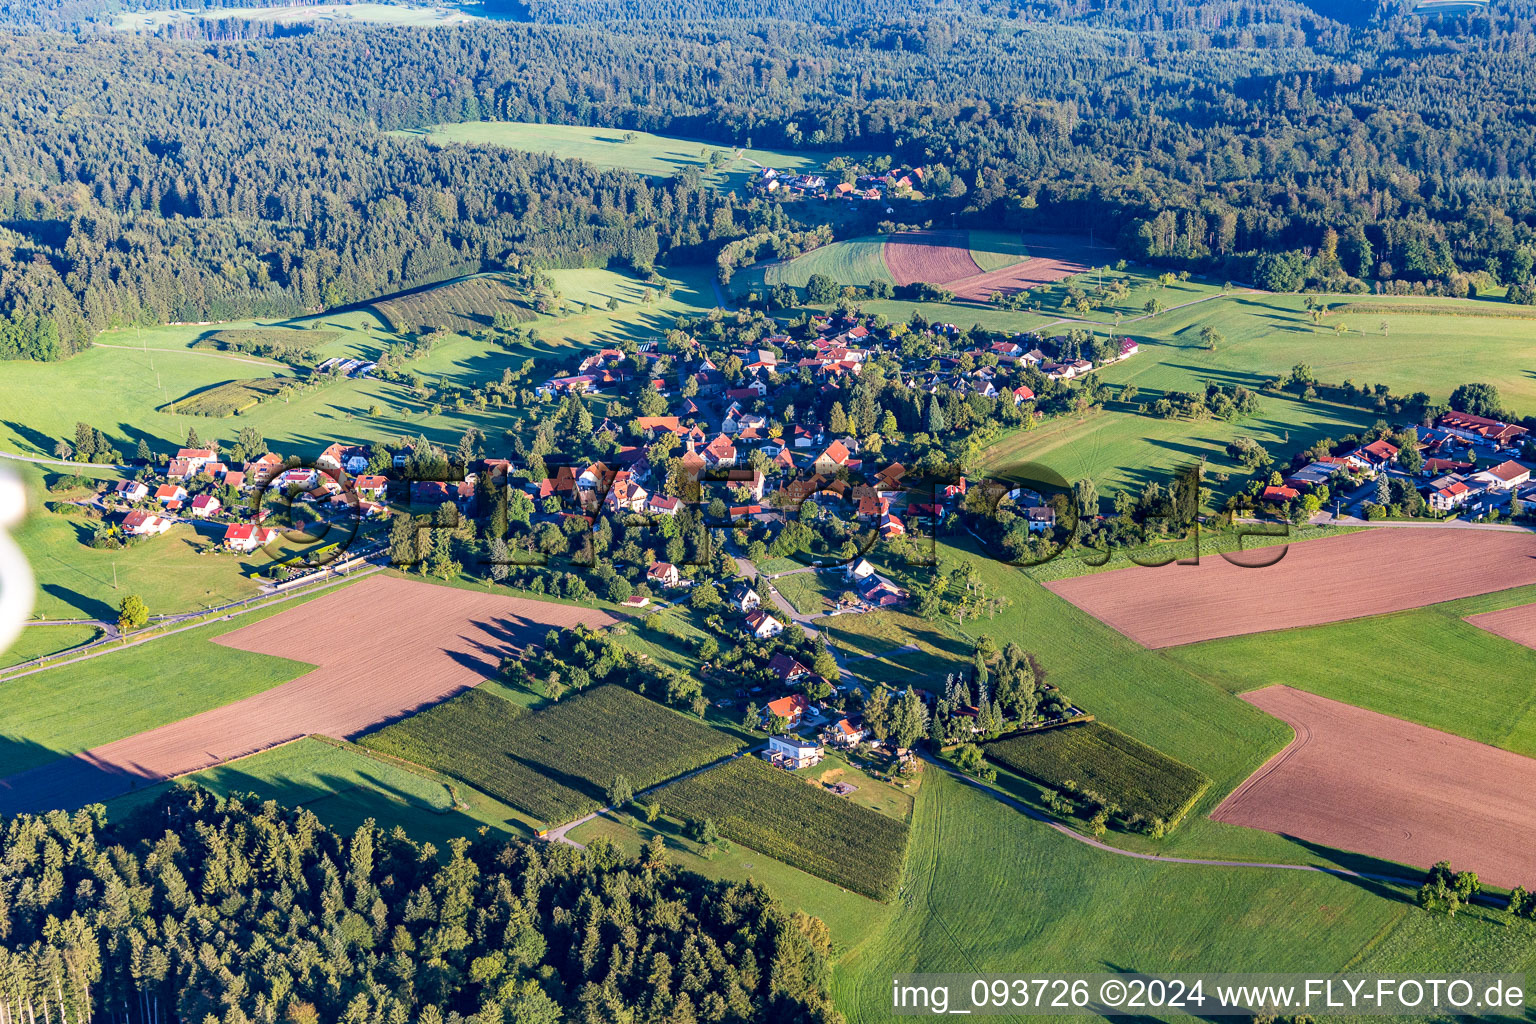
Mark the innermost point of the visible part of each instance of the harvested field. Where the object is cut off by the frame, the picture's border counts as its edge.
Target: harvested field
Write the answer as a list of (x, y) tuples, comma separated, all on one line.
[(1362, 781), (382, 649), (1366, 573), (1052, 257), (1517, 624), (932, 257)]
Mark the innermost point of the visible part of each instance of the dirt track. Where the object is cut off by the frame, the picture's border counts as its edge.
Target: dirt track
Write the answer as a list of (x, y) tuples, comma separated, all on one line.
[(1362, 781), (382, 648), (1318, 581), (1517, 624), (932, 257)]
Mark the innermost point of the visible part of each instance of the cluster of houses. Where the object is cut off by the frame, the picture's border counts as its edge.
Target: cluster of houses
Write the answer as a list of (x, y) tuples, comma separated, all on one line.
[(154, 507), (897, 183), (1447, 478)]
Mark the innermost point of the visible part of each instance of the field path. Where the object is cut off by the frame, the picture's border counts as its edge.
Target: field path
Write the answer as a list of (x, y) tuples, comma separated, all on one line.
[(382, 649), (195, 352)]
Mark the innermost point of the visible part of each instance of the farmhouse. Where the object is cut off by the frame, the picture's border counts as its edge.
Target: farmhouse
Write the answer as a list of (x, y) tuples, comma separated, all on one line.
[(763, 626), (169, 494), (196, 458), (789, 708), (791, 752), (144, 524), (247, 537)]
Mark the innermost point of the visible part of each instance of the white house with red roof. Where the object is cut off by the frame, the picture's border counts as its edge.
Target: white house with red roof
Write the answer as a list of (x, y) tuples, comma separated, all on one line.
[(205, 505), (197, 458), (247, 537), (791, 708), (1506, 476), (131, 490), (165, 494), (371, 487), (144, 524), (720, 453), (762, 625)]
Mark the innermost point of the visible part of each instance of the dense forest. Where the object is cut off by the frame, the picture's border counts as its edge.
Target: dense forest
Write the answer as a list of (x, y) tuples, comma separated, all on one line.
[(158, 179), (203, 909)]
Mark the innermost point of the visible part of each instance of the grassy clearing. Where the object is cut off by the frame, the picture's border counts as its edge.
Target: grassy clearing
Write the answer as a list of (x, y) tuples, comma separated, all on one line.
[(887, 798), (1401, 664), (555, 764), (879, 648), (988, 889), (467, 304), (39, 641), (812, 592), (773, 811), (641, 152), (1104, 760)]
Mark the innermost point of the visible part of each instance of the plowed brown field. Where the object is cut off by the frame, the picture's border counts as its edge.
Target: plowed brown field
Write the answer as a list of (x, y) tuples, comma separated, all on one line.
[(933, 257), (382, 649), (1052, 257), (1365, 573), (1517, 624), (1361, 781)]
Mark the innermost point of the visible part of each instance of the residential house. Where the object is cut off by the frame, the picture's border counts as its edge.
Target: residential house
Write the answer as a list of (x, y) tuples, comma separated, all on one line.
[(625, 495), (745, 599), (1022, 394), (1279, 494), (661, 505), (594, 478), (847, 732), (663, 574), (196, 458), (891, 526), (1451, 495), (144, 524), (131, 490), (372, 487), (836, 456), (247, 537), (790, 708), (786, 669), (1040, 518), (205, 505), (259, 471), (792, 752), (720, 453), (167, 494), (763, 626)]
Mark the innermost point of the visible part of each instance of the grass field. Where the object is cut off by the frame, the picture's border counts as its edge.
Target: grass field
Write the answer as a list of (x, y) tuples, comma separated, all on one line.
[(651, 155), (1105, 761), (555, 764), (987, 890), (39, 641), (231, 397), (70, 708), (812, 592), (775, 812), (857, 261), (879, 647), (994, 250), (1426, 665)]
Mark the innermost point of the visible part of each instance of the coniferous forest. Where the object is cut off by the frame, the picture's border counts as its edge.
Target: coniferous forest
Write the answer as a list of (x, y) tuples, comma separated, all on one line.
[(201, 909), (156, 178)]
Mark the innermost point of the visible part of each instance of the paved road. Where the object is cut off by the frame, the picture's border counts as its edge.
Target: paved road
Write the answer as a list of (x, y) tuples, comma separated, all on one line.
[(60, 462)]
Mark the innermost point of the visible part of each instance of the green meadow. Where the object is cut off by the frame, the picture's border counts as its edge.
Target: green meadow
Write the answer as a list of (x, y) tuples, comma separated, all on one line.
[(658, 156), (1425, 665)]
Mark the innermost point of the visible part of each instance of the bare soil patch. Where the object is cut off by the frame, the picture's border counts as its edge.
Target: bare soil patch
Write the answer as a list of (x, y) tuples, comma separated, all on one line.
[(1362, 781), (1517, 624), (382, 649), (1051, 258), (932, 257), (1367, 573)]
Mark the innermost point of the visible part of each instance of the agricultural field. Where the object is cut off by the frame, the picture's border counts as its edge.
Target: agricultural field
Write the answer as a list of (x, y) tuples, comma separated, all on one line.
[(1104, 760), (1362, 781), (232, 397), (993, 890), (775, 812), (658, 156), (555, 764), (996, 250), (381, 648), (1369, 572), (1396, 665), (1516, 624), (41, 641), (857, 261), (466, 304)]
